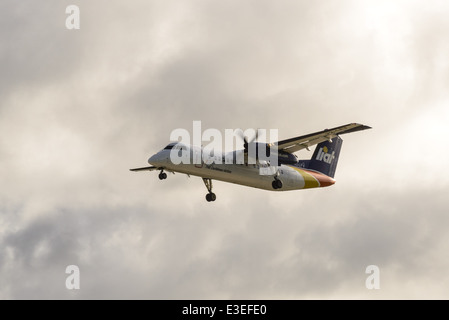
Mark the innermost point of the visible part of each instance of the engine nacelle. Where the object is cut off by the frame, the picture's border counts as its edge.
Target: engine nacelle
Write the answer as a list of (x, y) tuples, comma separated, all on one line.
[(263, 151), (286, 158)]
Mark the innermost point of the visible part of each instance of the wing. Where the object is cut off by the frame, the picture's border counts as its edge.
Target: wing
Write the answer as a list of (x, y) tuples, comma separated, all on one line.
[(146, 169), (304, 142)]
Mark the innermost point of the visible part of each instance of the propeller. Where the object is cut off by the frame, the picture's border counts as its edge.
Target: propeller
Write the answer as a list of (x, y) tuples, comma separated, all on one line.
[(245, 140)]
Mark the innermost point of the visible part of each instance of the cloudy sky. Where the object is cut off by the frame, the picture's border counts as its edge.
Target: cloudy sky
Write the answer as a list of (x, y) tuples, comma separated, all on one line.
[(78, 108)]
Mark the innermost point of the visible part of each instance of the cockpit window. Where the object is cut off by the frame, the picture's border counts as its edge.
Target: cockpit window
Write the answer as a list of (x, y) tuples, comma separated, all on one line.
[(170, 146)]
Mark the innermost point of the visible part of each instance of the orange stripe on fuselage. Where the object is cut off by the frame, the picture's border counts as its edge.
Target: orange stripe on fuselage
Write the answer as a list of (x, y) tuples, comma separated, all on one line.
[(313, 179)]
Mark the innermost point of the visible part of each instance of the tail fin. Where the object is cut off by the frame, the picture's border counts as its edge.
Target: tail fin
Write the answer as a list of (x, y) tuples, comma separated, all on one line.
[(325, 157)]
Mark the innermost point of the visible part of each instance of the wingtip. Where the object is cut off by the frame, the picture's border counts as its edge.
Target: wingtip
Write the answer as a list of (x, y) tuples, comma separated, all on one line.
[(355, 127), (365, 127), (361, 125)]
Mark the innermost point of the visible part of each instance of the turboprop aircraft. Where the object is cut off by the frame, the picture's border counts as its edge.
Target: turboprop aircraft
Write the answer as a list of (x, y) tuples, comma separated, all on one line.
[(287, 172)]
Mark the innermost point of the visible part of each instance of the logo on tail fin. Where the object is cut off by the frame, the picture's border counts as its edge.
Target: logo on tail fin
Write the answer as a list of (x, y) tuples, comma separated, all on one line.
[(323, 155)]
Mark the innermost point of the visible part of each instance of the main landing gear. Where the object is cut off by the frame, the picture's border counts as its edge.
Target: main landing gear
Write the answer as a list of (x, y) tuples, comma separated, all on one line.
[(210, 196), (276, 184), (162, 175)]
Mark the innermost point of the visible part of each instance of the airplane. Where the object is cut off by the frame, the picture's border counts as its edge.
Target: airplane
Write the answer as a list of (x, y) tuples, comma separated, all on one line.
[(290, 173)]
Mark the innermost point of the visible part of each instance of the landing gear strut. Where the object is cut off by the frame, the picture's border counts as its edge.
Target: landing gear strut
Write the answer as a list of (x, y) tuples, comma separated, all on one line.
[(162, 175), (210, 196)]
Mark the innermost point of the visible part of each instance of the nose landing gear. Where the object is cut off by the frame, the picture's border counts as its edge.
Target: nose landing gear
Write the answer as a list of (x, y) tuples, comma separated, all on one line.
[(210, 196)]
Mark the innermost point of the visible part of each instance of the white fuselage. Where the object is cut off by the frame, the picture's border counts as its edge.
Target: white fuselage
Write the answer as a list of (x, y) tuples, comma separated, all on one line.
[(259, 175)]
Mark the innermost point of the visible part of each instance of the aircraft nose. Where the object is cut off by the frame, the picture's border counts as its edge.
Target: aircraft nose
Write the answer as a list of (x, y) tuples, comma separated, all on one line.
[(153, 159)]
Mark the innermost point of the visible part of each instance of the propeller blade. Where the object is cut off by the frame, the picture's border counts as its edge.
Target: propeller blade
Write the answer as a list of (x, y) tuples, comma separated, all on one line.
[(245, 138), (255, 136), (241, 135)]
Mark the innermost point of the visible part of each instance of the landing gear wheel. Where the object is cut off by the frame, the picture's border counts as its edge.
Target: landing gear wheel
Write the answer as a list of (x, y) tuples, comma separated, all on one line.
[(210, 196), (279, 184), (276, 184), (162, 176)]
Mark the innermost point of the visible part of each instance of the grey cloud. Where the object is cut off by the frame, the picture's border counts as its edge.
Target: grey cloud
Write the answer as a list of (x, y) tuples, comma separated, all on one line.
[(36, 47), (252, 254)]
